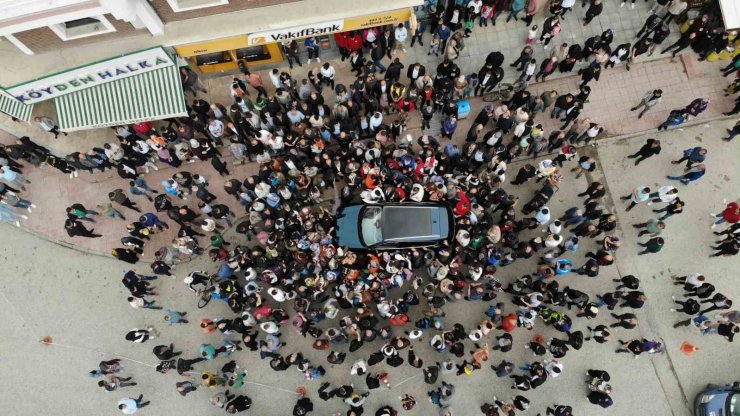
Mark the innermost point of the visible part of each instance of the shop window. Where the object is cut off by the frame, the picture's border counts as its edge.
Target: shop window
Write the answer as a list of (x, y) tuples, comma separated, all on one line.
[(253, 53), (82, 28), (185, 5), (213, 58)]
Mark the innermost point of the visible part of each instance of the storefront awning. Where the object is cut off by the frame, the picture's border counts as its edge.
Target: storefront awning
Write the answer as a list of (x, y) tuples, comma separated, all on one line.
[(14, 108), (153, 95), (730, 13)]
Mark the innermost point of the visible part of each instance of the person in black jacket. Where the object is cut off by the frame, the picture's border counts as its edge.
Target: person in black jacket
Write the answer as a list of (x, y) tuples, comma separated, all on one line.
[(593, 11), (376, 54), (357, 62), (649, 149), (682, 43), (393, 72), (415, 72), (486, 83), (572, 113), (75, 228), (239, 404), (589, 73)]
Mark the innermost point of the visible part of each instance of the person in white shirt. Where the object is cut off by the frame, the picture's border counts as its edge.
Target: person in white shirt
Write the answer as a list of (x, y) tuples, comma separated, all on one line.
[(216, 128), (275, 78), (543, 216), (400, 34), (476, 5), (327, 74), (375, 121), (529, 71), (553, 368), (665, 194), (47, 124), (676, 8)]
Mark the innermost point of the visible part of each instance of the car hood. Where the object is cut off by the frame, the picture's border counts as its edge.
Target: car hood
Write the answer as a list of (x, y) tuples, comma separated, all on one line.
[(347, 228)]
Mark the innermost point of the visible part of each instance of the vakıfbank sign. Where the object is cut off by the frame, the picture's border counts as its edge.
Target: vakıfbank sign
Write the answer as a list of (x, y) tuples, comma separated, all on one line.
[(102, 72), (297, 32)]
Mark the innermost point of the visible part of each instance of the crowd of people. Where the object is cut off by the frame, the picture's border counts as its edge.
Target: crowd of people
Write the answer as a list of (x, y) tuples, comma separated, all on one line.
[(312, 147)]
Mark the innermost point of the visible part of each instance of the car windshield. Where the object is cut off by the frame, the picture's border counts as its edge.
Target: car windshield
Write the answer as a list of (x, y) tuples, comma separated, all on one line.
[(734, 405), (372, 232)]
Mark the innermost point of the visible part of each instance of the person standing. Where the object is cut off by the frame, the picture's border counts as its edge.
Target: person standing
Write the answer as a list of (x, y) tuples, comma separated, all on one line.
[(129, 405), (730, 215), (191, 82), (682, 43), (290, 49), (12, 178), (594, 10), (649, 100), (694, 155), (728, 248), (415, 72), (119, 197), (671, 209), (732, 132), (400, 34), (173, 317), (674, 10), (47, 124), (639, 195), (75, 228), (419, 33), (547, 67), (141, 335), (649, 149), (141, 303), (376, 55), (691, 174), (676, 118), (255, 81), (313, 48), (185, 387), (653, 227)]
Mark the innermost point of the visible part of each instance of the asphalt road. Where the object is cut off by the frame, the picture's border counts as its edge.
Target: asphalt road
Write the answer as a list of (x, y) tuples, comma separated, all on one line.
[(78, 300)]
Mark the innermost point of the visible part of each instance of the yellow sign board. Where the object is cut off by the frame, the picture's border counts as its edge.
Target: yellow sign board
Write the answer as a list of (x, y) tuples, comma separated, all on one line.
[(217, 45), (272, 36), (378, 19)]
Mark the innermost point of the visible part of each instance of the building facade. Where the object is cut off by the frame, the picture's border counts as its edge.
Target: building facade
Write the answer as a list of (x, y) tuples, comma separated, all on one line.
[(54, 46)]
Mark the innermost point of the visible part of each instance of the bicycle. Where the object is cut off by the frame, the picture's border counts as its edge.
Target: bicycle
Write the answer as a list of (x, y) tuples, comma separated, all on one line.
[(205, 296), (497, 94)]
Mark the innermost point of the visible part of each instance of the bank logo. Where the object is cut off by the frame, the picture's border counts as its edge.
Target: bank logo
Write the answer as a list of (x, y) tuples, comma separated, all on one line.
[(257, 40), (297, 32)]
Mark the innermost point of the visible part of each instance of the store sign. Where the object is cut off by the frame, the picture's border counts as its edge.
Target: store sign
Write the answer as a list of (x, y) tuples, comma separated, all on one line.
[(92, 75), (297, 32), (378, 19)]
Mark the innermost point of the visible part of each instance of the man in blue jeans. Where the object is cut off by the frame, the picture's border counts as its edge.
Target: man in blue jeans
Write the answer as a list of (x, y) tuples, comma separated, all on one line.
[(376, 54), (130, 405)]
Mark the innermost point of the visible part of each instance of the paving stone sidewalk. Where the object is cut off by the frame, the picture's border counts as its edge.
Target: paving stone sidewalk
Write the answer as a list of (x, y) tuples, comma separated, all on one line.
[(506, 37), (609, 104)]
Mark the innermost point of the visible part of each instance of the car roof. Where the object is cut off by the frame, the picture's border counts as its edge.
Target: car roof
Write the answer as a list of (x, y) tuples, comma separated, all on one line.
[(407, 223)]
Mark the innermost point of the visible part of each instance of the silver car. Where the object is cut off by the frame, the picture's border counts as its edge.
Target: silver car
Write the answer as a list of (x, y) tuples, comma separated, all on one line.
[(389, 226)]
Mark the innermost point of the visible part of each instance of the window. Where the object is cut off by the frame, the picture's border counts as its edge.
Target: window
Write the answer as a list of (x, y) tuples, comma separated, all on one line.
[(371, 226), (253, 53), (82, 28), (213, 58), (185, 5)]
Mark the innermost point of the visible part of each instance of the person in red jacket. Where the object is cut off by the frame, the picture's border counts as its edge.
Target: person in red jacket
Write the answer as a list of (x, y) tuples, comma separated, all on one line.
[(731, 214), (143, 128), (341, 40), (353, 42), (463, 205)]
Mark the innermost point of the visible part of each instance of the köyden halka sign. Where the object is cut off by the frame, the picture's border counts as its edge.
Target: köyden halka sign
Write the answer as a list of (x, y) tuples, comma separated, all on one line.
[(102, 72)]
